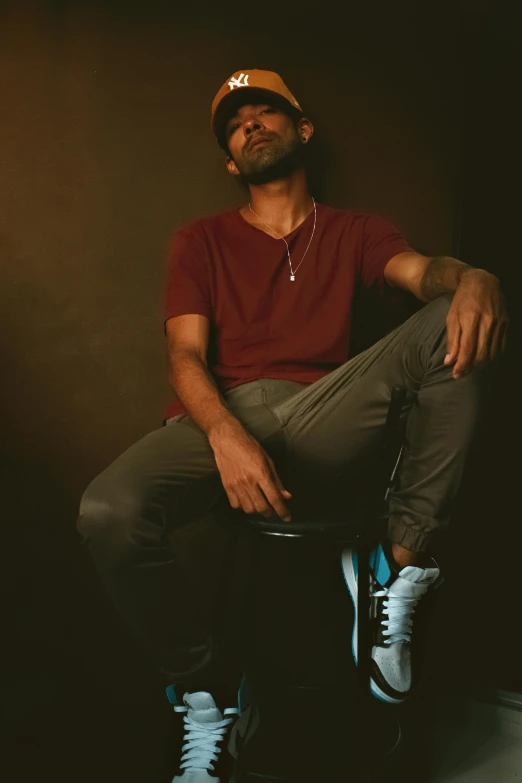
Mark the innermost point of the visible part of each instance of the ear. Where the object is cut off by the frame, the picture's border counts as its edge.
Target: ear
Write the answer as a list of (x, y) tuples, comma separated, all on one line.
[(231, 166), (305, 129)]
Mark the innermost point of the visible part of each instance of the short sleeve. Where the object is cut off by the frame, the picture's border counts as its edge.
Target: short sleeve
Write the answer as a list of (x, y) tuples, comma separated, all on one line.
[(381, 241), (187, 283)]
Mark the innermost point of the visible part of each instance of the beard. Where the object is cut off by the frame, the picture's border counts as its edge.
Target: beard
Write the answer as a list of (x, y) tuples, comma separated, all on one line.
[(273, 160)]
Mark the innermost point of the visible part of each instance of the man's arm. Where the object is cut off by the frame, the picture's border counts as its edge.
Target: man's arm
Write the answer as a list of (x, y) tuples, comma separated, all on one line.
[(477, 320), (247, 472), (426, 277), (189, 376)]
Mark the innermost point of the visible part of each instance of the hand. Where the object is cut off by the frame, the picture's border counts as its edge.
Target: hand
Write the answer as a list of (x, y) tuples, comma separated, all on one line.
[(477, 322), (248, 474)]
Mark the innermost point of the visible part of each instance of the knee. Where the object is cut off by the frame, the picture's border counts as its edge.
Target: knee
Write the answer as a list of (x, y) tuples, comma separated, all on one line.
[(108, 517), (433, 323), (437, 310)]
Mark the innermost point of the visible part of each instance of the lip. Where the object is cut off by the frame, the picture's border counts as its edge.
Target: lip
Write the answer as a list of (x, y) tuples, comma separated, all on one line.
[(257, 141)]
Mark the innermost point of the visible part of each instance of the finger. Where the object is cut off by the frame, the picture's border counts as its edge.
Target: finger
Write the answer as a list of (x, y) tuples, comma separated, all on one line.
[(495, 342), (260, 503), (233, 498), (277, 480), (279, 484), (245, 501), (453, 339), (504, 338), (468, 346), (273, 496), (503, 335), (485, 336)]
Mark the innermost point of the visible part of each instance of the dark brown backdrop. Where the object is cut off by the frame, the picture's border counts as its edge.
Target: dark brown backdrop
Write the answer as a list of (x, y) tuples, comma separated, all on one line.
[(105, 151)]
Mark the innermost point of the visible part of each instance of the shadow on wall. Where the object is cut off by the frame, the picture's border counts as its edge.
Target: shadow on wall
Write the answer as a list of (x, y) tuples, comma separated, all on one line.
[(321, 158)]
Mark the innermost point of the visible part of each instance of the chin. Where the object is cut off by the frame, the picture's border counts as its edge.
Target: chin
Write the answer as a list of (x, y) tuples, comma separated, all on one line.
[(272, 170)]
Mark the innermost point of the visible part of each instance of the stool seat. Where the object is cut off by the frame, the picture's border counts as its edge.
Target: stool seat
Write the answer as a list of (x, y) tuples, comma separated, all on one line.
[(348, 527)]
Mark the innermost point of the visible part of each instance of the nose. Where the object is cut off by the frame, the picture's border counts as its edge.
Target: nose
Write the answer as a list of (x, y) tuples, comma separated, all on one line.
[(251, 125)]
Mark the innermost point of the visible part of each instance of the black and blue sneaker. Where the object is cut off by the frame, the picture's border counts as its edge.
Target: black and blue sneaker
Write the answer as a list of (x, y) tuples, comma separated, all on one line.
[(205, 757), (394, 595)]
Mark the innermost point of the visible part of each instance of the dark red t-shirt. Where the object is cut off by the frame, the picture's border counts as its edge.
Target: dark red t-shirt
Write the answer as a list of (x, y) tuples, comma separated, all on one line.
[(262, 324)]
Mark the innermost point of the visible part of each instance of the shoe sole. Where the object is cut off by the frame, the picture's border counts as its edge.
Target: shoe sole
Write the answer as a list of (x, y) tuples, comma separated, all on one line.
[(351, 583)]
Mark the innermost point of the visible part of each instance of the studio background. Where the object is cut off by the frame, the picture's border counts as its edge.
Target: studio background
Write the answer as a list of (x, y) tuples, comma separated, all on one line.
[(105, 151)]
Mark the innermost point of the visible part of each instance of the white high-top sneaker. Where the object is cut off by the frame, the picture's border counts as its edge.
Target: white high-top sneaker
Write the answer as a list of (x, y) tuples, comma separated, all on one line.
[(394, 594), (204, 754)]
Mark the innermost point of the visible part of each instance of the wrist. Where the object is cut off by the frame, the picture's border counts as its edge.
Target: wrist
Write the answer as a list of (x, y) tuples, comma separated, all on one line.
[(473, 274), (221, 427)]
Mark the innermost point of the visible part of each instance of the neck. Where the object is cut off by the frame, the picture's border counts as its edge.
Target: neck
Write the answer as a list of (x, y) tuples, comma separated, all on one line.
[(283, 204)]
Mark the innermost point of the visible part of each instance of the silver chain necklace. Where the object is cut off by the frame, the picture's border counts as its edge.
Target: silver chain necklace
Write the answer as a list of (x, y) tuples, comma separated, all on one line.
[(292, 272)]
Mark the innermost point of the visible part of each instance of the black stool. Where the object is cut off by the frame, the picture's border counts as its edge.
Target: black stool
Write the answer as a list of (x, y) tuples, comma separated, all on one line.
[(358, 529)]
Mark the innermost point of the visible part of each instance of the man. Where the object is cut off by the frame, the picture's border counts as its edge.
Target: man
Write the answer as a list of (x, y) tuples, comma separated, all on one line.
[(257, 322)]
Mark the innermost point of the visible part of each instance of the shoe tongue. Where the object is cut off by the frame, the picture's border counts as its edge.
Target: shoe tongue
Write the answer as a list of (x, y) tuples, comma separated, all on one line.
[(202, 707), (413, 581)]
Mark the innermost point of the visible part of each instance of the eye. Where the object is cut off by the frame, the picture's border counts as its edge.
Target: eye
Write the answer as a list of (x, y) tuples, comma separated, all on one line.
[(233, 128)]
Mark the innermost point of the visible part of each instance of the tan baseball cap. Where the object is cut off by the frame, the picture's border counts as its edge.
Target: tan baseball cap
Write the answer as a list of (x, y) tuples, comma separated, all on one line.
[(251, 80)]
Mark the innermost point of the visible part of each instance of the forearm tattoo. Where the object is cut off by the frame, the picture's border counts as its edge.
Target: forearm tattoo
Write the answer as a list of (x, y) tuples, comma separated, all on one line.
[(442, 276)]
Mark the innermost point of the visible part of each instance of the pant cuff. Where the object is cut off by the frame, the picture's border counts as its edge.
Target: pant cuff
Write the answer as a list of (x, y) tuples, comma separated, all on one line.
[(198, 672), (404, 534)]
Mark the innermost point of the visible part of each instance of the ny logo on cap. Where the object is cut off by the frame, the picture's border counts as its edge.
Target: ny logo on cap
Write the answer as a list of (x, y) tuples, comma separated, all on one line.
[(238, 83)]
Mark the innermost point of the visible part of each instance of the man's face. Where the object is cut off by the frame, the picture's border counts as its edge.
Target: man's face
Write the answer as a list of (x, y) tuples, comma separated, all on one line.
[(264, 143)]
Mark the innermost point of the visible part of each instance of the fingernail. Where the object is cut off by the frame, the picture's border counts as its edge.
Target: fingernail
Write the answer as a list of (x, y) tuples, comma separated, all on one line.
[(287, 519), (447, 358)]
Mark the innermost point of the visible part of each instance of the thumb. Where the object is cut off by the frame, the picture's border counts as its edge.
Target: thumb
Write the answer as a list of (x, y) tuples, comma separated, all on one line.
[(279, 484), (277, 480), (454, 333)]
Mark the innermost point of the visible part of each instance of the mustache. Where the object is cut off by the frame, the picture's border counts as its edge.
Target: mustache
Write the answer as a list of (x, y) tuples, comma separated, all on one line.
[(259, 137)]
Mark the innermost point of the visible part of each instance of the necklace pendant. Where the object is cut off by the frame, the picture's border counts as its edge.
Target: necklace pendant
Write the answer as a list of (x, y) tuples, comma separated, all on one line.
[(292, 277)]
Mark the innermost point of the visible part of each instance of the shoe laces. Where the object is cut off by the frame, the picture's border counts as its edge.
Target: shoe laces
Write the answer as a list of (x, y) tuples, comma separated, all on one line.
[(200, 748), (399, 610)]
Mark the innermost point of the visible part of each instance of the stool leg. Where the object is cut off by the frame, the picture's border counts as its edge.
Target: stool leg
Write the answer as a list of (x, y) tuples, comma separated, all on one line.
[(249, 607), (222, 598)]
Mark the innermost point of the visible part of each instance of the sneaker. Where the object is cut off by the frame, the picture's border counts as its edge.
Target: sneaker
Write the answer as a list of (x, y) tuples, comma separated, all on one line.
[(204, 755), (394, 594)]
